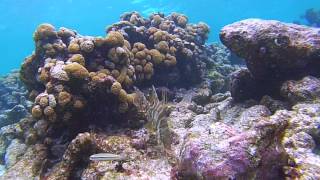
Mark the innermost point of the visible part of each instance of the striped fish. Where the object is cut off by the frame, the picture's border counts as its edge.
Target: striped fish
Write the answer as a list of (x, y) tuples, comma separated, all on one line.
[(156, 113), (107, 157)]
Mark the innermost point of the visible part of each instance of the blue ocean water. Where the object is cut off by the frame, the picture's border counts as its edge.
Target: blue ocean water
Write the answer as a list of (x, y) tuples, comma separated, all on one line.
[(19, 18)]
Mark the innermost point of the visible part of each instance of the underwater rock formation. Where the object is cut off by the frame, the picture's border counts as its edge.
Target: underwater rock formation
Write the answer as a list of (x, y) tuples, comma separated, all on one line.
[(15, 139), (274, 52), (273, 104), (14, 150), (12, 92), (304, 90), (220, 63), (14, 120), (14, 103), (243, 86), (233, 140), (13, 115), (228, 140), (243, 140), (92, 95), (301, 141), (30, 164), (140, 163)]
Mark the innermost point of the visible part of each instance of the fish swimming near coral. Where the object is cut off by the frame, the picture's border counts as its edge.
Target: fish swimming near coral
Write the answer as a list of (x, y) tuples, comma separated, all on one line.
[(107, 157), (157, 114)]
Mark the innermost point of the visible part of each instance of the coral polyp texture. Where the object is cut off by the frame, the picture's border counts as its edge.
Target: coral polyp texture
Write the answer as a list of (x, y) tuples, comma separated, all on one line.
[(70, 74)]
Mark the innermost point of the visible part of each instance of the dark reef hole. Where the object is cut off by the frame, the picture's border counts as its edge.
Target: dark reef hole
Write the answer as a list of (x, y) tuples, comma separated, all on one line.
[(101, 112), (133, 37), (183, 75)]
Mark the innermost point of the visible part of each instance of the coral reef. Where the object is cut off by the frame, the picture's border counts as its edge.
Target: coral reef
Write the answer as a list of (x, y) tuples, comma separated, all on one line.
[(15, 139), (15, 120), (29, 166), (273, 51), (217, 142), (81, 82), (282, 60), (69, 72), (13, 115), (139, 163), (170, 44), (14, 150), (78, 80), (301, 141), (14, 103), (206, 156), (220, 63), (93, 95), (304, 90), (233, 141)]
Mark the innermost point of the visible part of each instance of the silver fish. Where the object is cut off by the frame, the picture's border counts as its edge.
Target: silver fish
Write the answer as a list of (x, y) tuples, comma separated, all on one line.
[(107, 157)]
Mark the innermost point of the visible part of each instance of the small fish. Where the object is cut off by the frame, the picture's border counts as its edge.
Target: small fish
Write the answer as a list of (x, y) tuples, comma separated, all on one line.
[(107, 157)]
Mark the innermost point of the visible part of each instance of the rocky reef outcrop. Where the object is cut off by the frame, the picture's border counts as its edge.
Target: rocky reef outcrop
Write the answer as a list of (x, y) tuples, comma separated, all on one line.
[(272, 49), (282, 61), (14, 103), (274, 52), (220, 63), (266, 139)]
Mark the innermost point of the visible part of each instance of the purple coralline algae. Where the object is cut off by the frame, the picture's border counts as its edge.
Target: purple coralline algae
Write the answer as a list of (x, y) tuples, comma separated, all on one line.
[(273, 51)]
